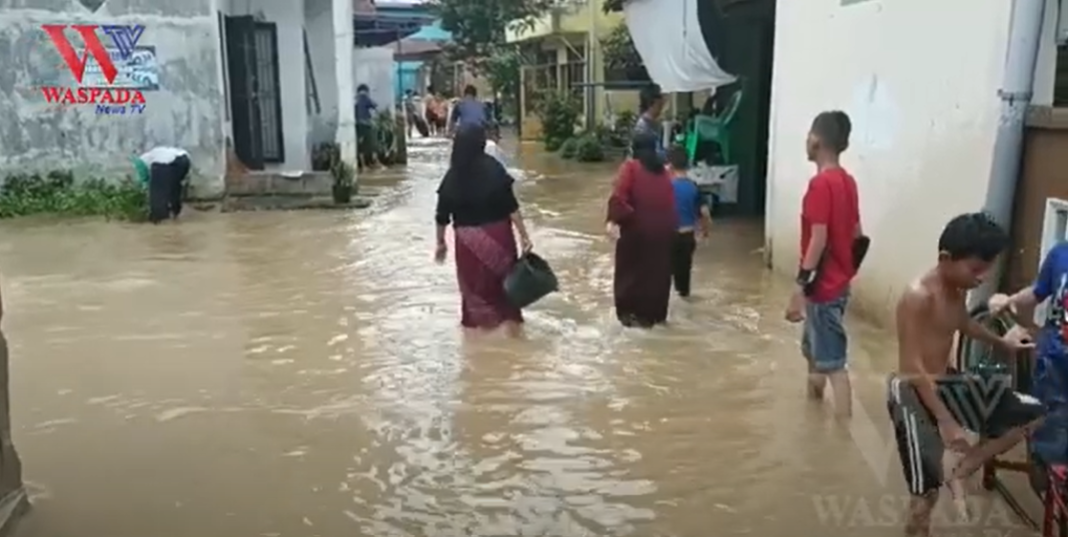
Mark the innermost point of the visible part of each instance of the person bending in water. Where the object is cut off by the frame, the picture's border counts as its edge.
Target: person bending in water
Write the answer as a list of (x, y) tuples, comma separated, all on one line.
[(930, 403)]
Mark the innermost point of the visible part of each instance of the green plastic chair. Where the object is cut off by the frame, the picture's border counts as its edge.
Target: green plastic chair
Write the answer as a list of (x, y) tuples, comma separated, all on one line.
[(142, 170), (713, 129)]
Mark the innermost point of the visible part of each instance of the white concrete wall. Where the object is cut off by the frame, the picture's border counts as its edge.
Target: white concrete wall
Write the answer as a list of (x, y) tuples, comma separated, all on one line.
[(920, 80), (183, 112), (343, 73), (374, 66), (288, 15), (319, 22)]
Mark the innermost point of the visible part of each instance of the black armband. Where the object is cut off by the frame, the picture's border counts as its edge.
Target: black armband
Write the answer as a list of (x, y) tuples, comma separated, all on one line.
[(805, 277)]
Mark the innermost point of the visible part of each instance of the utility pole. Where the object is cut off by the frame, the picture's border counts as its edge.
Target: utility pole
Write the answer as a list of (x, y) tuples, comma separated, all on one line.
[(591, 63)]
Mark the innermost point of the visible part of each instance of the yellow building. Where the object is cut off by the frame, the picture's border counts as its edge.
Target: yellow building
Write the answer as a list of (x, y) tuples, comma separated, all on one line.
[(559, 46)]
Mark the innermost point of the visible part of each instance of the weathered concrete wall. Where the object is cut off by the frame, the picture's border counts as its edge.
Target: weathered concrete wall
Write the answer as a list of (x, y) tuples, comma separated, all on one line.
[(184, 111), (319, 23), (374, 66)]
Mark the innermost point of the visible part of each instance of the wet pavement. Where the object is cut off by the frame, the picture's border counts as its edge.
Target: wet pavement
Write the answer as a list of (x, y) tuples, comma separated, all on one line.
[(302, 374)]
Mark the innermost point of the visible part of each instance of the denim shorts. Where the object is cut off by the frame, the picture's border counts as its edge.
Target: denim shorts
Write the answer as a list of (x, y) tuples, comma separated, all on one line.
[(824, 341)]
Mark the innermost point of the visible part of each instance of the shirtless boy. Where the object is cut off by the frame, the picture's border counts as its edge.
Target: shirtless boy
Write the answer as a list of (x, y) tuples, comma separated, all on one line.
[(930, 404)]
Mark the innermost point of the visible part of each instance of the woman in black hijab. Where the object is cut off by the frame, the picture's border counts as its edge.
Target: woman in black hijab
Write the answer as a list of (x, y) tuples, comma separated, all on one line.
[(476, 198)]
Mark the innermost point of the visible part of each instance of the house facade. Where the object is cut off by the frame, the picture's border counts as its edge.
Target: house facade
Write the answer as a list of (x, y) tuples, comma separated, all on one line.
[(925, 112), (183, 109), (260, 80), (557, 47)]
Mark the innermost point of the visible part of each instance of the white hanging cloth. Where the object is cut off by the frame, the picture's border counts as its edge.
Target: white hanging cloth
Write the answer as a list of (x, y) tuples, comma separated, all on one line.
[(667, 34)]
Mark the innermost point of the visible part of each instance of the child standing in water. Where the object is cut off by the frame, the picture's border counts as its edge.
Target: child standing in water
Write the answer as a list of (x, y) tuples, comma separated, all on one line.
[(930, 403), (694, 217)]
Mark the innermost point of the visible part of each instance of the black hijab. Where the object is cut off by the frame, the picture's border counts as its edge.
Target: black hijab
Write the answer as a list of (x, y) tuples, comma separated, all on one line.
[(644, 149), (473, 175)]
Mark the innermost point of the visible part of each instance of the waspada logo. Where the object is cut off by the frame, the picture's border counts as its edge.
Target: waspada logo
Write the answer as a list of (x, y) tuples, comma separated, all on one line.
[(98, 90)]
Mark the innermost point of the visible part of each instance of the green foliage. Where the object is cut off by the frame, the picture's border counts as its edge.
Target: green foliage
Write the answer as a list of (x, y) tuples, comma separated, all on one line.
[(385, 127), (590, 148), (619, 51), (57, 193), (586, 147), (501, 68), (559, 112), (324, 155), (343, 173), (613, 5), (479, 40), (618, 135), (569, 149), (477, 26)]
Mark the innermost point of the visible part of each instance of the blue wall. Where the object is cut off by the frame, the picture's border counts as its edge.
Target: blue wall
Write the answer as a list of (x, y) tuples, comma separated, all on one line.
[(406, 77)]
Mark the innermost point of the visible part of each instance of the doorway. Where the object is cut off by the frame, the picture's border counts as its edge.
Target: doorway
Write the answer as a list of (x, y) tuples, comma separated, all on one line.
[(255, 90), (740, 35)]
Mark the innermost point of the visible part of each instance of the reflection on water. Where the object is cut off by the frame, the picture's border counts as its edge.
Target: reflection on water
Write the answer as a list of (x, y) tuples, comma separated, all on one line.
[(302, 374)]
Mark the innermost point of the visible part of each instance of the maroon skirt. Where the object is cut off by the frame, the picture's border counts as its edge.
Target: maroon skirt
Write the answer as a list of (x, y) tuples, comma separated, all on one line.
[(485, 256)]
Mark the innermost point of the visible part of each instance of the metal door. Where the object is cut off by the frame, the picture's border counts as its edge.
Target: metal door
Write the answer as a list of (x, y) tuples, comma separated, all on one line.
[(268, 91), (241, 61)]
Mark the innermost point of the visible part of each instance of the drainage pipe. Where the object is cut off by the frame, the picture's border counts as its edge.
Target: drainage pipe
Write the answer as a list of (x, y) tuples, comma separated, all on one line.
[(1025, 32)]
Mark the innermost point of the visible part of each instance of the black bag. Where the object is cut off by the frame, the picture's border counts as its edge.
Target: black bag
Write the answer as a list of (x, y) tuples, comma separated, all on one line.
[(860, 251), (530, 280)]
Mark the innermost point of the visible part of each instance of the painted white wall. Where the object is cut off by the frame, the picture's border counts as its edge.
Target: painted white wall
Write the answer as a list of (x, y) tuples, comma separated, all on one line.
[(319, 22), (346, 88), (288, 15), (374, 66), (920, 80)]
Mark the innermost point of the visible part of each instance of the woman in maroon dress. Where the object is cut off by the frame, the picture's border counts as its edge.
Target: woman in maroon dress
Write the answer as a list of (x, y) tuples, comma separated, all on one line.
[(642, 213), (476, 198)]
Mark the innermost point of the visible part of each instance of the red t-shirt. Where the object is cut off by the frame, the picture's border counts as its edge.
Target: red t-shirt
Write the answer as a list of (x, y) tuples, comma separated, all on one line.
[(831, 200)]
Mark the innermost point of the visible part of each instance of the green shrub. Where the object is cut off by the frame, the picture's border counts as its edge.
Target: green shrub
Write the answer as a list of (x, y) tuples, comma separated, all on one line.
[(620, 132), (569, 149), (559, 112), (324, 155), (57, 193), (385, 132), (553, 145), (589, 148)]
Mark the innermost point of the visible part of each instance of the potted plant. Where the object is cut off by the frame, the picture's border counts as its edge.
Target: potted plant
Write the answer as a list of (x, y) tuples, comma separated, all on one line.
[(344, 181)]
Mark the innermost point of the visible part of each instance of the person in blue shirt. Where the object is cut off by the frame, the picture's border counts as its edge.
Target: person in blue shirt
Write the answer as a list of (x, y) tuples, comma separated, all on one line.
[(651, 105), (365, 126), (694, 216), (469, 111), (1049, 383)]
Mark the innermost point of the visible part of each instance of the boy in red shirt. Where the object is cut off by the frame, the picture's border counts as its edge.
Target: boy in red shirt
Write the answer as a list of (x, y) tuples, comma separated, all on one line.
[(830, 223)]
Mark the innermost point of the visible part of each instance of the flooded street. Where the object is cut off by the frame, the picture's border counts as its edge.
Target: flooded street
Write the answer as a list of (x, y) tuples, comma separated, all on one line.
[(303, 374)]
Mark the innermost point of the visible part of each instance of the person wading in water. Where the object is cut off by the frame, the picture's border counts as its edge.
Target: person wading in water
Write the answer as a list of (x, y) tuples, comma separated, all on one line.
[(641, 216), (930, 403), (830, 221), (476, 198), (469, 111), (651, 105)]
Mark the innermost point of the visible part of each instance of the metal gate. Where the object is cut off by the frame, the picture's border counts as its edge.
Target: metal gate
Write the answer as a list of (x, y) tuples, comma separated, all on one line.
[(255, 97)]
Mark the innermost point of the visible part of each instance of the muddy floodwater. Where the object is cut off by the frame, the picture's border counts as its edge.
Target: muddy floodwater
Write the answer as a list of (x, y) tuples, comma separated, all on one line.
[(303, 374)]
